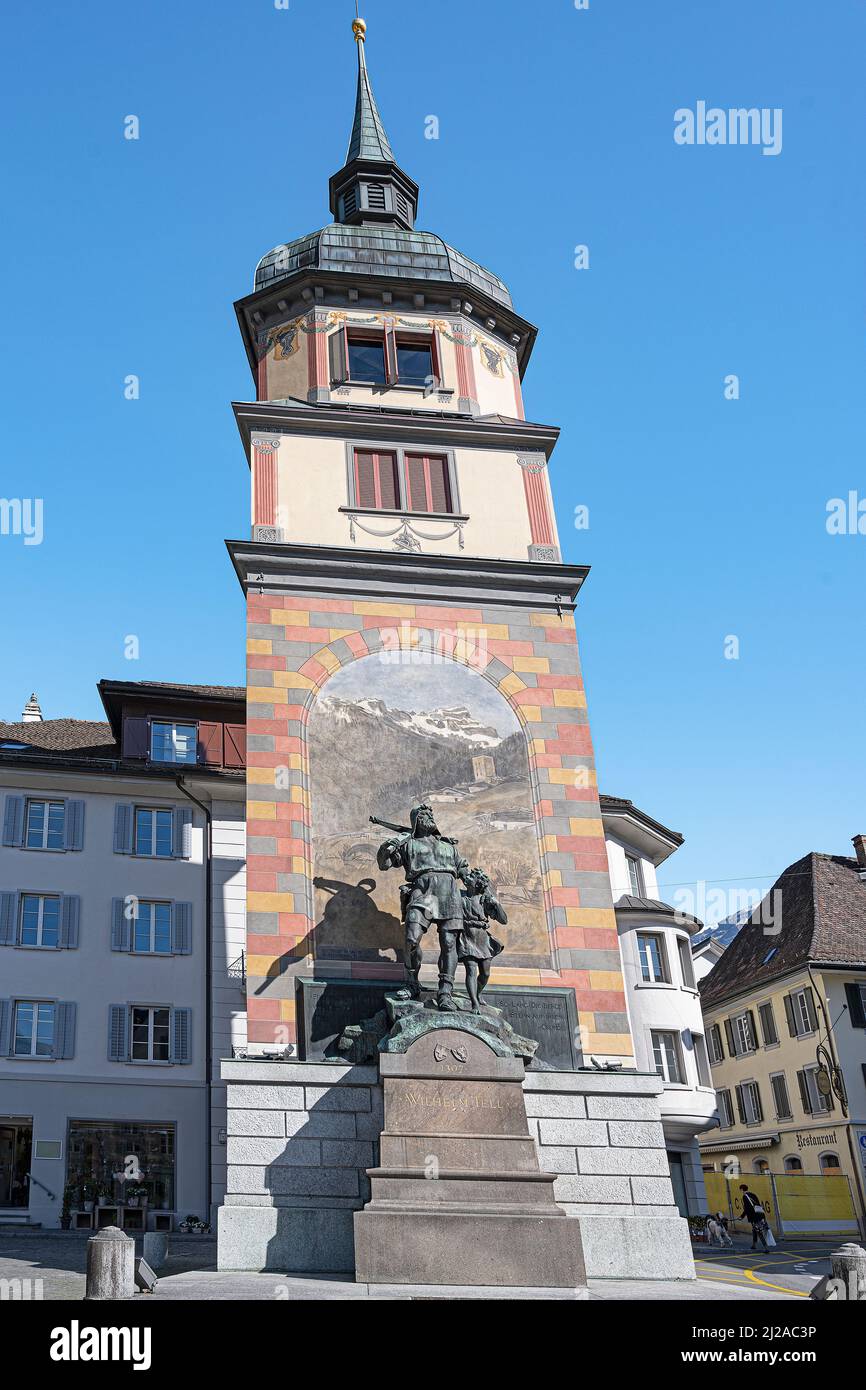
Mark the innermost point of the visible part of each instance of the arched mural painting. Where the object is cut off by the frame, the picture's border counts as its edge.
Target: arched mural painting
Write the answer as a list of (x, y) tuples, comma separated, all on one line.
[(384, 736)]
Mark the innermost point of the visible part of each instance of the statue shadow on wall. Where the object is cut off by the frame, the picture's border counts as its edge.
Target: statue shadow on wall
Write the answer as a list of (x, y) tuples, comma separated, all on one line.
[(351, 928)]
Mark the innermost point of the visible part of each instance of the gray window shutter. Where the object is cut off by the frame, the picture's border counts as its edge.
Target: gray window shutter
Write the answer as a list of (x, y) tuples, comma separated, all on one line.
[(122, 828), (753, 1030), (789, 1014), (729, 1030), (854, 995), (181, 1035), (121, 926), (70, 916), (337, 354), (758, 1102), (181, 843), (64, 1030), (8, 918), (741, 1106), (73, 825), (135, 737), (804, 1093), (118, 1032), (13, 821), (181, 929), (5, 1027)]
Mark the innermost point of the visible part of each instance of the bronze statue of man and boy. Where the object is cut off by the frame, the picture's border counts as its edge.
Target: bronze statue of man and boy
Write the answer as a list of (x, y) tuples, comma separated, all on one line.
[(432, 895)]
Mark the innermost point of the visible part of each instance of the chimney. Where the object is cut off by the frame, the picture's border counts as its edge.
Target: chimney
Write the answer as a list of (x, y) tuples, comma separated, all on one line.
[(32, 711), (859, 843)]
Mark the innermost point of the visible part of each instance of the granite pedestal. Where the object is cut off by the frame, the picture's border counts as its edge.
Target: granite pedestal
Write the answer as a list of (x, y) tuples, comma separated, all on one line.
[(459, 1195)]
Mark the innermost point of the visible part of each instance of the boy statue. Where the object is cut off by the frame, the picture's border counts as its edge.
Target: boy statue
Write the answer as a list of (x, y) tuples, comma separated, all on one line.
[(476, 947)]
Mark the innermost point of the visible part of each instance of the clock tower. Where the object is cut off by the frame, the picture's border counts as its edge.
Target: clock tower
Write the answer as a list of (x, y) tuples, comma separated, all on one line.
[(411, 631)]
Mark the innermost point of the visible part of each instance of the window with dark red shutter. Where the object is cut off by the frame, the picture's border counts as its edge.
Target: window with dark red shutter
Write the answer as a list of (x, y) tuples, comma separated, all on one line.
[(236, 745), (210, 743), (376, 486), (428, 483)]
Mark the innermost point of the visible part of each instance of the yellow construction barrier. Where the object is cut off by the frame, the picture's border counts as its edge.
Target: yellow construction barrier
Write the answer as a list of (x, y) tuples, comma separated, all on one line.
[(795, 1203), (815, 1204)]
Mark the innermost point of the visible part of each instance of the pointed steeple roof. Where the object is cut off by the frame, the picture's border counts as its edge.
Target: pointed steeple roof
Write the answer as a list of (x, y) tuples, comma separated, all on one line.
[(369, 139), (371, 187)]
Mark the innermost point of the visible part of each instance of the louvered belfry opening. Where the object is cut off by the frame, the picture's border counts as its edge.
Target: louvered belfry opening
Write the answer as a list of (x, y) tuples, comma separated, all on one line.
[(371, 186)]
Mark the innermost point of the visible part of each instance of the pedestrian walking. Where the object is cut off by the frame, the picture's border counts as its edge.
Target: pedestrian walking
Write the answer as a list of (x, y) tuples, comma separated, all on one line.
[(756, 1217)]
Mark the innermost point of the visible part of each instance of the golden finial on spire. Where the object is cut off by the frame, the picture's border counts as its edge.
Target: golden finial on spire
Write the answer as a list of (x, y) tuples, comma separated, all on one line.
[(359, 29)]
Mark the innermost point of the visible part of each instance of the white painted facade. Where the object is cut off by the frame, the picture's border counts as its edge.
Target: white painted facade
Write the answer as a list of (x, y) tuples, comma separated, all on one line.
[(668, 1005), (84, 1084)]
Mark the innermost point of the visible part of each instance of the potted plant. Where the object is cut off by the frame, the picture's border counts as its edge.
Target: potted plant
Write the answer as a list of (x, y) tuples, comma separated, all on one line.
[(136, 1196), (193, 1225), (105, 1193), (87, 1195)]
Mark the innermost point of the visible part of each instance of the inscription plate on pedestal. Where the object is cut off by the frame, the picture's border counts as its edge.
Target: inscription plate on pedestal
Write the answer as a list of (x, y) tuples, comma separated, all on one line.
[(326, 1007)]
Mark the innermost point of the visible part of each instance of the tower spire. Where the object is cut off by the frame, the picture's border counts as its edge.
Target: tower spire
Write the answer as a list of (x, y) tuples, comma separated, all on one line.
[(368, 139), (371, 187)]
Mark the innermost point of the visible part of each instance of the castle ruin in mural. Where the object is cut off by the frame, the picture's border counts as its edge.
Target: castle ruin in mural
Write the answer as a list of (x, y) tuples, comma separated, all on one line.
[(386, 737)]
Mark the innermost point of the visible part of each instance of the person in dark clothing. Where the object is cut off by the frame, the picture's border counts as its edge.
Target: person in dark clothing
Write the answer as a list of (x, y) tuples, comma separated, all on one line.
[(754, 1214)]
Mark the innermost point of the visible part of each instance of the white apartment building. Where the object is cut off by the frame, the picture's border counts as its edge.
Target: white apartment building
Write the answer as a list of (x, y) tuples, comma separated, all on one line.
[(661, 990), (122, 937)]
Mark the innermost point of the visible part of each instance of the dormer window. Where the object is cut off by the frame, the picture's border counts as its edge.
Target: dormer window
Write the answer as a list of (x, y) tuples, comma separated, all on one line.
[(386, 358), (172, 743), (366, 355), (415, 361)]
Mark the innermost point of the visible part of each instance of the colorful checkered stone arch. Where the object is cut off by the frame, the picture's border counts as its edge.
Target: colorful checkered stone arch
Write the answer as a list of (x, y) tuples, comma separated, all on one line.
[(295, 643)]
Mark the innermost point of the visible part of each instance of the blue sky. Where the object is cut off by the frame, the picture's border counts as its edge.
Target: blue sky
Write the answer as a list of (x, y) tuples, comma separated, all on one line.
[(707, 516)]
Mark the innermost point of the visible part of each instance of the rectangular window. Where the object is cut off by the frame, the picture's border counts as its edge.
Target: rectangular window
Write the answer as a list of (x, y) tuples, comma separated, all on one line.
[(45, 825), (701, 1060), (427, 484), (653, 963), (366, 358), (818, 1104), (151, 929), (781, 1099), (803, 1013), (744, 1037), (415, 362), (34, 1029), (726, 1109), (150, 1034), (173, 743), (635, 876), (752, 1103), (40, 920), (376, 482), (768, 1025), (100, 1150), (717, 1052), (153, 833), (666, 1055), (684, 947)]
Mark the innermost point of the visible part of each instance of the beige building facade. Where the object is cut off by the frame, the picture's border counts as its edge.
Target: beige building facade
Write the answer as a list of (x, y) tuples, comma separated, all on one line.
[(785, 1012)]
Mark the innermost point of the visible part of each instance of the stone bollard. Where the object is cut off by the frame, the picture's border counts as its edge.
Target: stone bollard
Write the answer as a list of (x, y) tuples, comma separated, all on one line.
[(155, 1249), (849, 1266), (110, 1265)]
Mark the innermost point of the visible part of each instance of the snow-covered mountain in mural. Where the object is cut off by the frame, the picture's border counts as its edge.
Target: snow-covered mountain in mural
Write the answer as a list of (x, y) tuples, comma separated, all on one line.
[(455, 723), (381, 741)]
